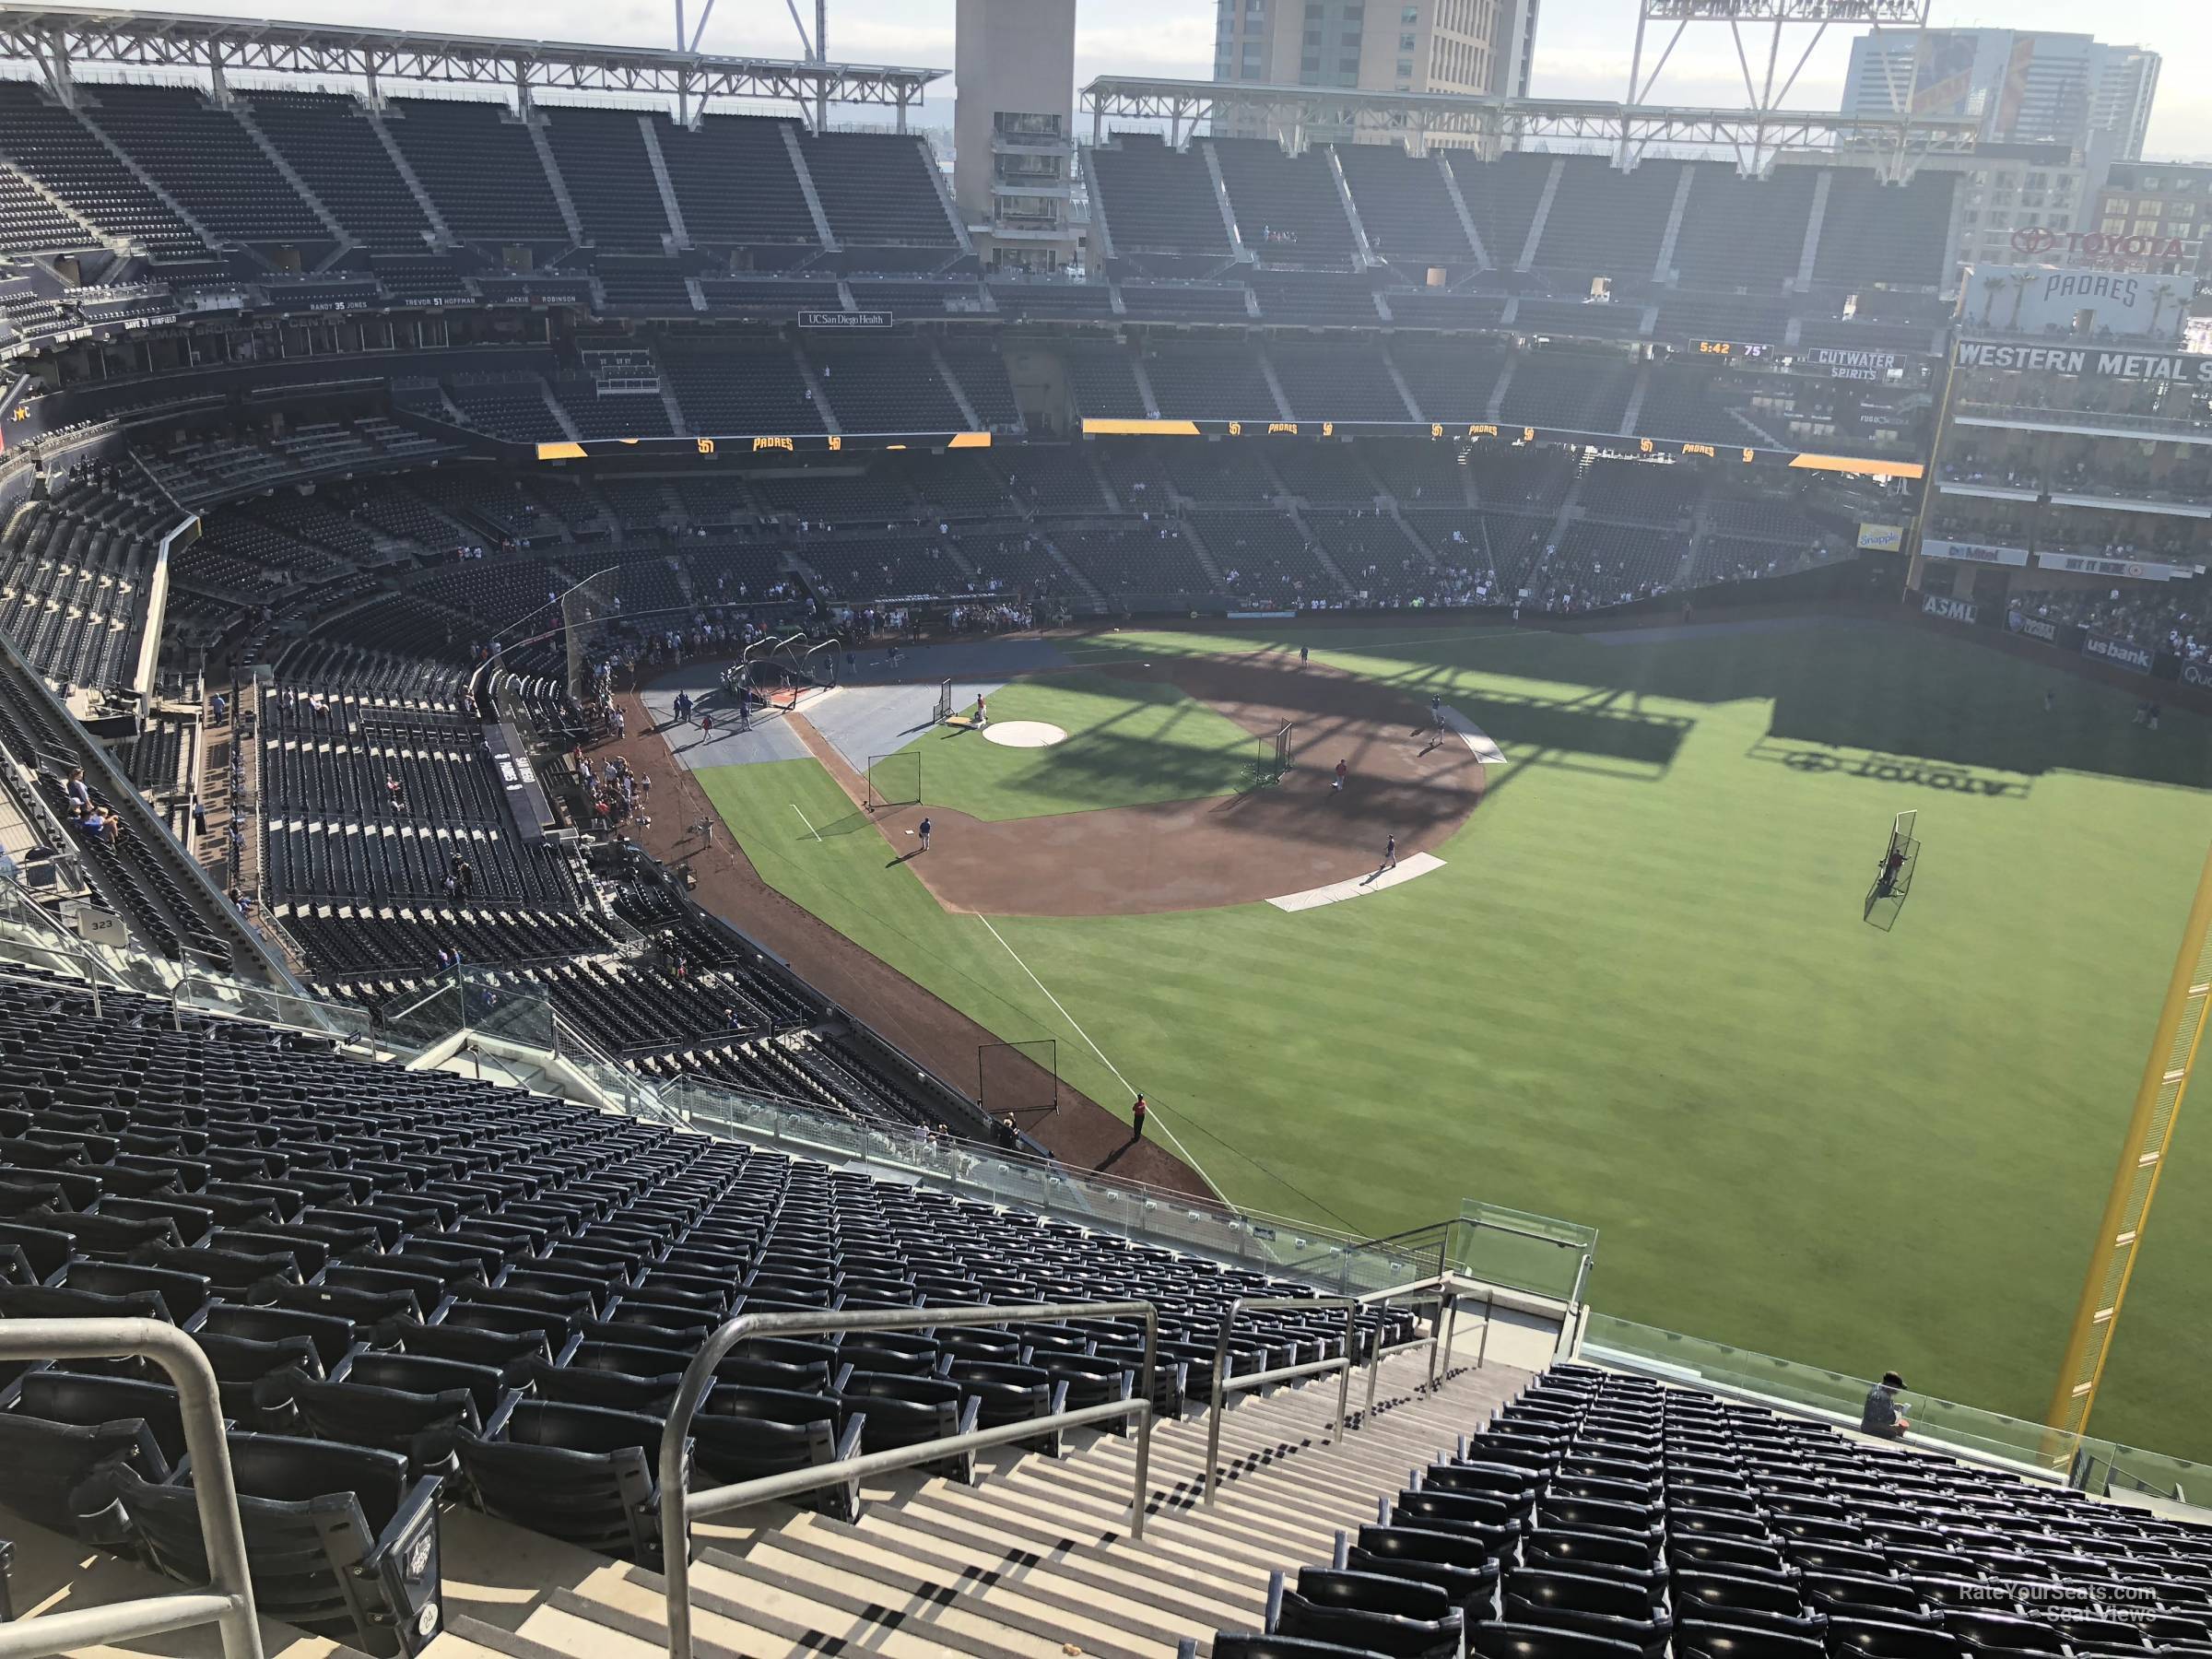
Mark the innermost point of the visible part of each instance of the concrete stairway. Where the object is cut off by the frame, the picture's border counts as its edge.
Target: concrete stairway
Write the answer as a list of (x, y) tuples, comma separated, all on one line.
[(1034, 1561)]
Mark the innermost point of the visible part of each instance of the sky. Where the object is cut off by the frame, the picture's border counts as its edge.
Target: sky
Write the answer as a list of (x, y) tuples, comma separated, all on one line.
[(1582, 46)]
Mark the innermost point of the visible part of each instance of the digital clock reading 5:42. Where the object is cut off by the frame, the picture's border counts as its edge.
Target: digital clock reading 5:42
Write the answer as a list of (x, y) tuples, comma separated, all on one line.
[(1729, 348)]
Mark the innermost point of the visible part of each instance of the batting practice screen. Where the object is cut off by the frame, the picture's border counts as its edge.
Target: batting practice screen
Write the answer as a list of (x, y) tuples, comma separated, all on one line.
[(1271, 754), (587, 612), (1893, 876), (895, 780)]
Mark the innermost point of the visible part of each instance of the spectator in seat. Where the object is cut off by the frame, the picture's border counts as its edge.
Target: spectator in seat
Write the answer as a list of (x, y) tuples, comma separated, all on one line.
[(1880, 1416)]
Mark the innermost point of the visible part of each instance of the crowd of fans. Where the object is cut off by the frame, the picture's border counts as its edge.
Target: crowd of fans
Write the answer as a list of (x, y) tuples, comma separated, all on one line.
[(2160, 400), (2184, 476), (2175, 616), (2173, 540)]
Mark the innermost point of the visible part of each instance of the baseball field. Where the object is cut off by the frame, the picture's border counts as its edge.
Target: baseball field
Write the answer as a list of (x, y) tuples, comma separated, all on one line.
[(1638, 992)]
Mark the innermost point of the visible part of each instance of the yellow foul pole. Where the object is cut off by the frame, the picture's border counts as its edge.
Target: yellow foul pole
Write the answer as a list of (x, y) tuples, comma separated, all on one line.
[(2174, 1053)]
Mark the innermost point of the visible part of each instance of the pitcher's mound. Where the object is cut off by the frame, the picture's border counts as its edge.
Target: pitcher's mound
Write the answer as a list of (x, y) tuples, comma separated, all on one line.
[(1025, 734)]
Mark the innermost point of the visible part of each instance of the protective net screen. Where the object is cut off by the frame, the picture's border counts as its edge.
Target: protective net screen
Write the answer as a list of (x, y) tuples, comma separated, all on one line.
[(588, 612)]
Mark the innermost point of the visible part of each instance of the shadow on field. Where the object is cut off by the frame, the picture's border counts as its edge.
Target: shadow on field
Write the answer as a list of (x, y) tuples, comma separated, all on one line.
[(1864, 687), (851, 824)]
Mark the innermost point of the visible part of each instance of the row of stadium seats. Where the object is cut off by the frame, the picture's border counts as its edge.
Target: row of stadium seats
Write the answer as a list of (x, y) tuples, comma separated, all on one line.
[(737, 179), (1600, 1516), (418, 1289), (1733, 233), (73, 572)]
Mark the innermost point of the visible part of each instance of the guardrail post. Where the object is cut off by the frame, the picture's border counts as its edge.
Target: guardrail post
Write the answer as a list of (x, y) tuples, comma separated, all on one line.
[(1374, 1367), (1144, 1424), (1450, 1335), (1343, 1377), (1221, 1390), (1436, 1333), (679, 1505), (1216, 1395), (1574, 1301)]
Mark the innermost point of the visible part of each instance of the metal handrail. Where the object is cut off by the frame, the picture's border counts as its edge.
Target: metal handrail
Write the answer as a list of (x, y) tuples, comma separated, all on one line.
[(227, 1602), (680, 1506), (1223, 1386), (34, 917), (361, 1029), (1437, 1290)]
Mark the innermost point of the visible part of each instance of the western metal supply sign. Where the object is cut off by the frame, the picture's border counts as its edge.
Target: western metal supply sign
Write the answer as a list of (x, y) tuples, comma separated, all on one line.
[(2090, 361)]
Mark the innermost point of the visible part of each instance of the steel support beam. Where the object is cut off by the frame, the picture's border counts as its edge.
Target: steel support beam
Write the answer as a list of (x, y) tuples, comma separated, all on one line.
[(56, 38)]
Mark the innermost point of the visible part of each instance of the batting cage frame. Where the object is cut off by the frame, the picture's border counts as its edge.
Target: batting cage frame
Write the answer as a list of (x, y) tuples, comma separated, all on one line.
[(1893, 878), (944, 710), (1271, 753), (1018, 1080), (895, 780), (588, 612)]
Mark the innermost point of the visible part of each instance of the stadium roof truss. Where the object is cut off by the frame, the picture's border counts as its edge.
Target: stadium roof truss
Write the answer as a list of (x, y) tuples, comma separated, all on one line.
[(1501, 123), (61, 39)]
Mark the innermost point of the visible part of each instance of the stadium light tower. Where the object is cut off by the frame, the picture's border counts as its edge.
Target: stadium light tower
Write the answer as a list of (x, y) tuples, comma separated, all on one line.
[(1776, 20)]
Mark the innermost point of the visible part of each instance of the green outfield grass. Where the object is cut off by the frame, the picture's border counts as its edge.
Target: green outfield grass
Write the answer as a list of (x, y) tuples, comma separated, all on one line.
[(1130, 743), (1641, 995)]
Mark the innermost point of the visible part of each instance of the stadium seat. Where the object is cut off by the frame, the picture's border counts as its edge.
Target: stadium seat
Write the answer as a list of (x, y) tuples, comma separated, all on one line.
[(583, 1474), (340, 1540), (1362, 1610)]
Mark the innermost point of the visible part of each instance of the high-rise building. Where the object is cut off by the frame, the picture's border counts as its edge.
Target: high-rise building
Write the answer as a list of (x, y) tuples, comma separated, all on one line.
[(2023, 86), (1013, 128), (2166, 202), (1456, 46), (2125, 94)]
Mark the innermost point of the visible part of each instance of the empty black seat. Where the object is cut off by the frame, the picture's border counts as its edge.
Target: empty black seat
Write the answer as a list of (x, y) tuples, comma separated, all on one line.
[(1878, 1639), (1728, 1642), (1363, 1610), (1595, 1606), (1471, 1589), (1723, 1598), (339, 1540), (358, 1413), (743, 1434), (1535, 1642), (581, 1473), (1246, 1644), (51, 1457), (1428, 1544)]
